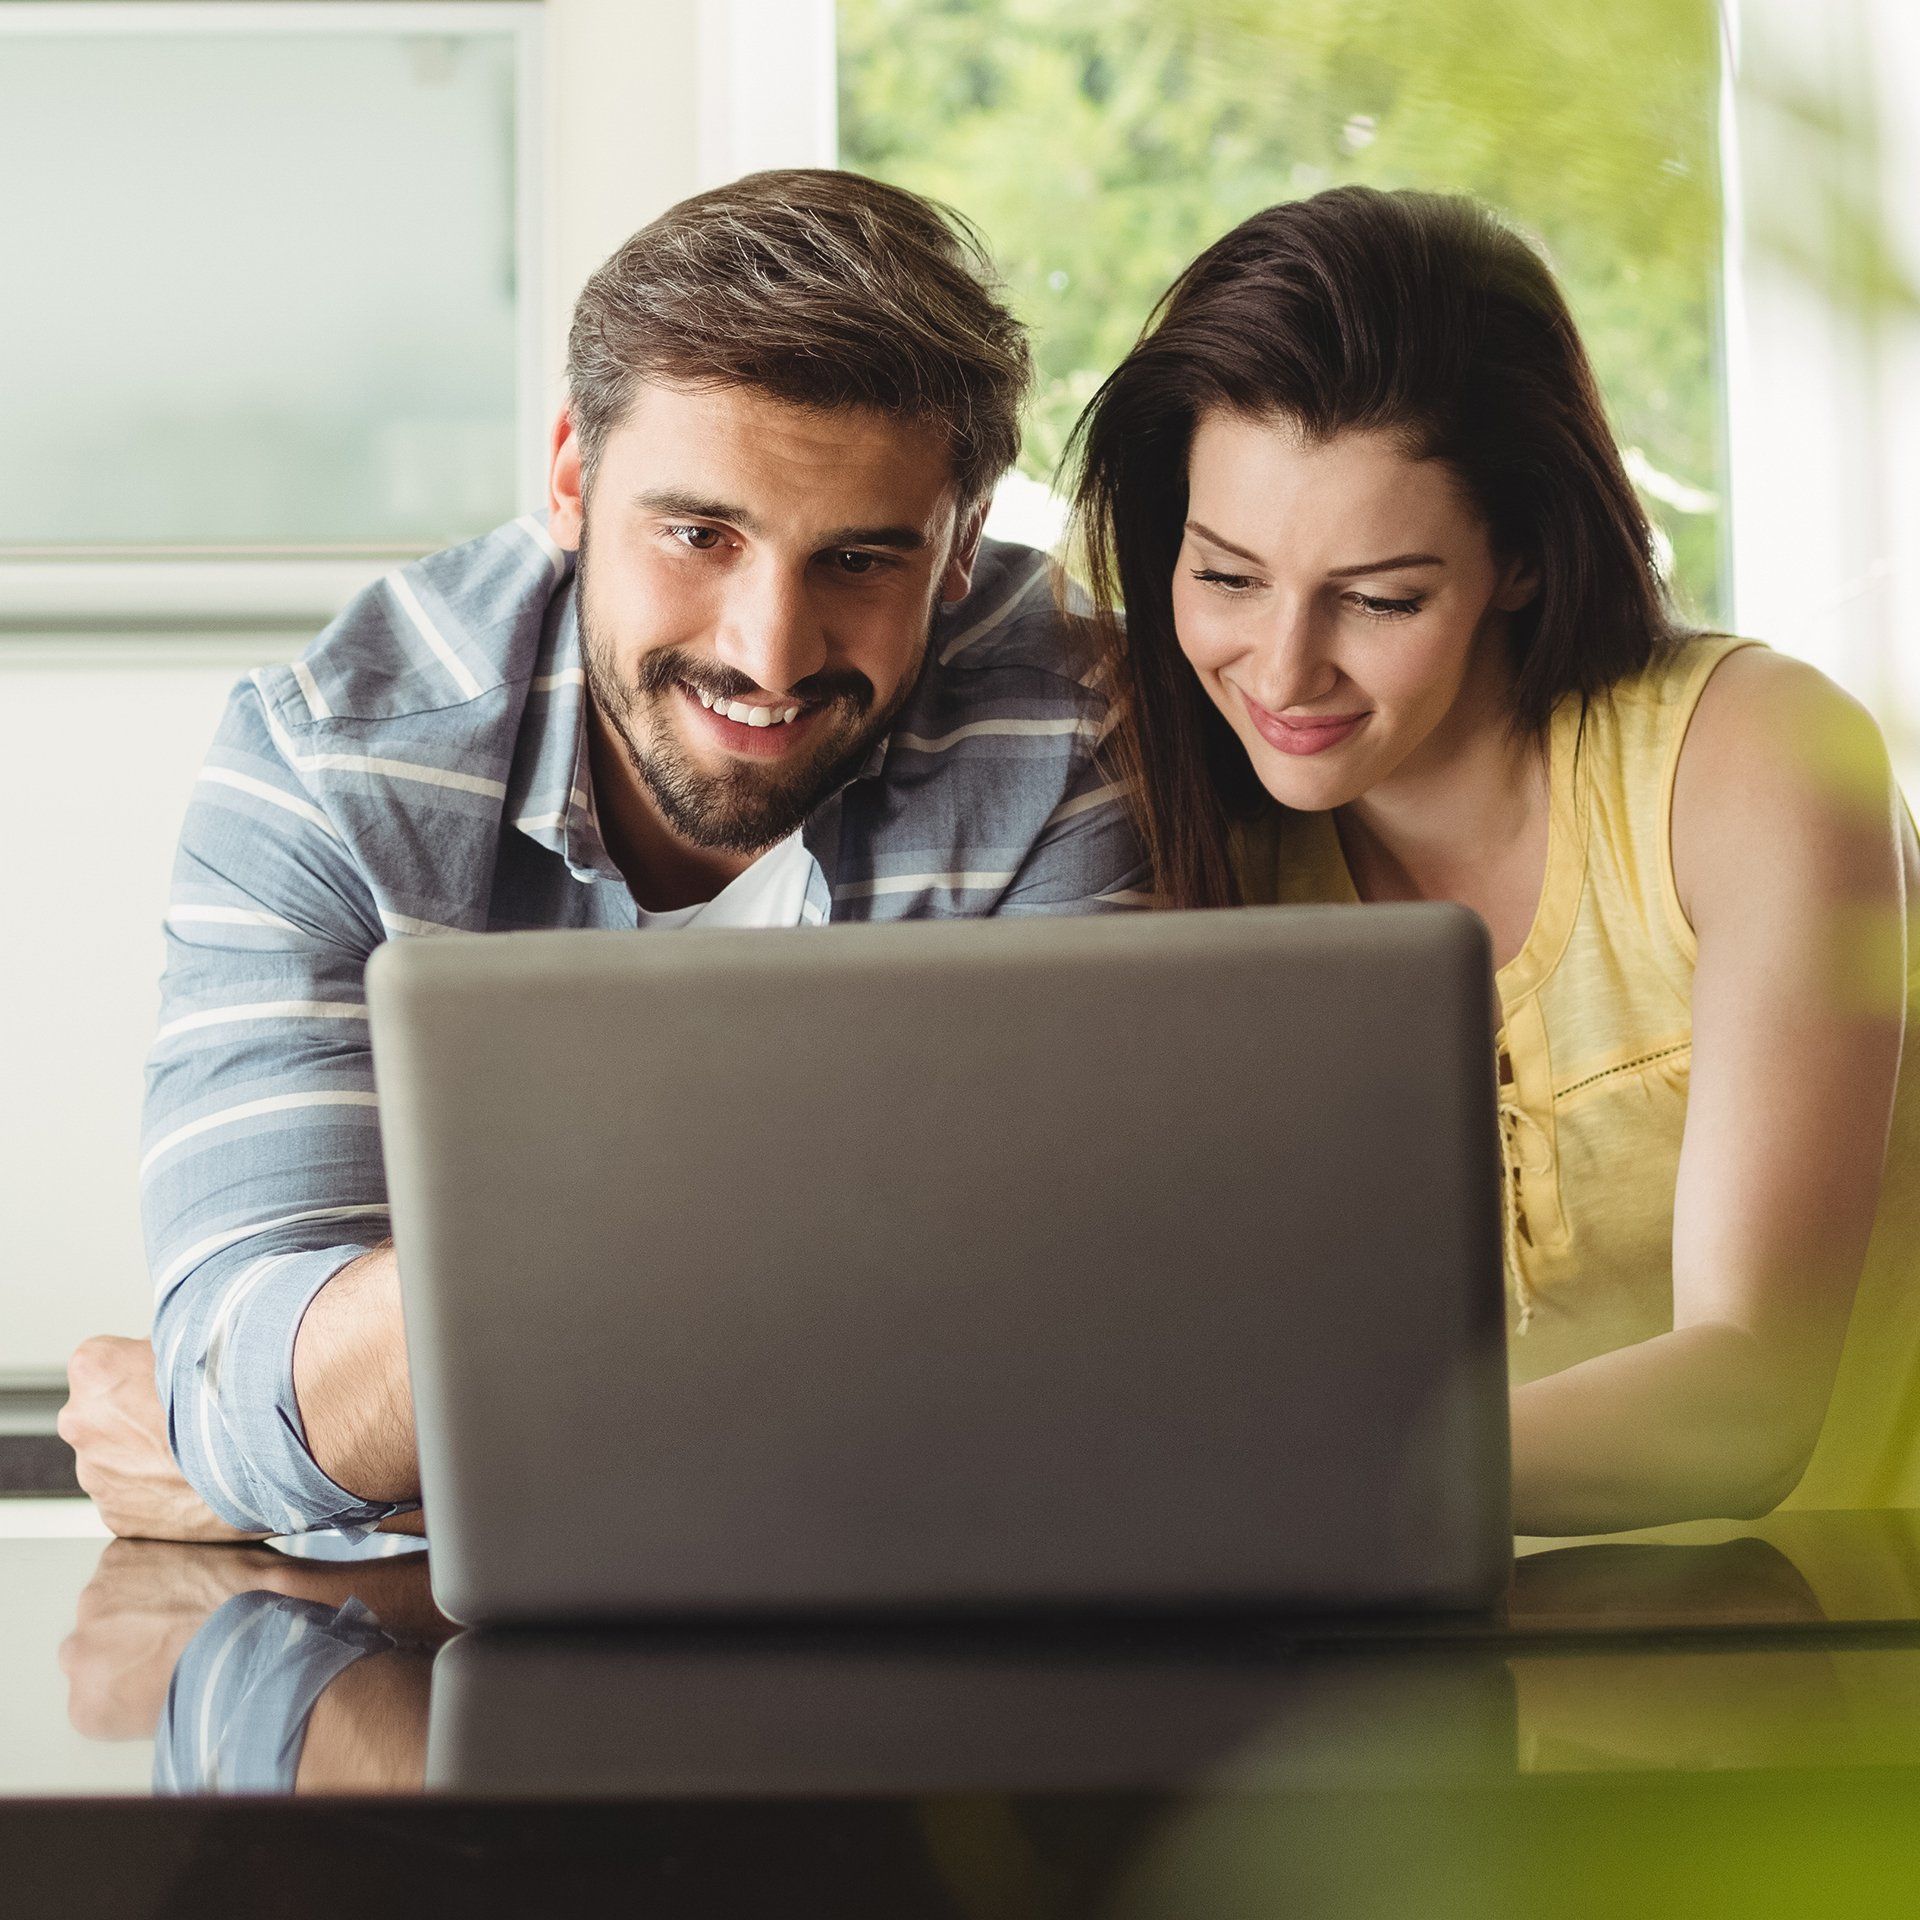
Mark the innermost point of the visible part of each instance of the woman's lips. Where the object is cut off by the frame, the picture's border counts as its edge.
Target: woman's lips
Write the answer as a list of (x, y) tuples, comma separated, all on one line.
[(1300, 736)]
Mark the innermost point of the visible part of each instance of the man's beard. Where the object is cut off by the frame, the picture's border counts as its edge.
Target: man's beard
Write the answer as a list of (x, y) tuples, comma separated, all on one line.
[(752, 805)]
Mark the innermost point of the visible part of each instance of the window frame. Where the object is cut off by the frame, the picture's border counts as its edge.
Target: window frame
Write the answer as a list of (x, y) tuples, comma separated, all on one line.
[(769, 86), (1821, 396)]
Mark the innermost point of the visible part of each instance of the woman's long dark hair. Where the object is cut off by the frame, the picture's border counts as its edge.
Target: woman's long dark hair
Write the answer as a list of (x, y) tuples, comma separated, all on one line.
[(1418, 314)]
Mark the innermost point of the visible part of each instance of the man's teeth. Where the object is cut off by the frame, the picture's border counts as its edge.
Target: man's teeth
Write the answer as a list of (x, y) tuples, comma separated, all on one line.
[(746, 716)]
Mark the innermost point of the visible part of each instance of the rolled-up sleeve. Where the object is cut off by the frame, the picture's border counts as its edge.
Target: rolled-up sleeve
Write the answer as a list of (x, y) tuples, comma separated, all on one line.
[(260, 1164), (237, 1707)]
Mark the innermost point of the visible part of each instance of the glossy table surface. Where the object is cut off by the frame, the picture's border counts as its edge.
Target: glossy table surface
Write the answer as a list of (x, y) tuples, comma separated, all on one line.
[(1712, 1718)]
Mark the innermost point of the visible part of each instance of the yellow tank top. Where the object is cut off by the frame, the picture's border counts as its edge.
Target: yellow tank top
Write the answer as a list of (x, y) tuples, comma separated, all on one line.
[(1594, 1055)]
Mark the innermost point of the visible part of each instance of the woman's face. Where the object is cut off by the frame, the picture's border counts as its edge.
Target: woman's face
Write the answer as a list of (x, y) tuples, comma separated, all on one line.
[(1340, 602)]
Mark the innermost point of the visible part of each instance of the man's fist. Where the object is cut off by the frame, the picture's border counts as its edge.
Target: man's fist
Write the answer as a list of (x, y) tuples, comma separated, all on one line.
[(113, 1423), (146, 1600)]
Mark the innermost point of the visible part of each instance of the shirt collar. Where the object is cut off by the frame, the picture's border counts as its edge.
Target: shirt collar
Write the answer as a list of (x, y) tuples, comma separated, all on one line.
[(550, 794)]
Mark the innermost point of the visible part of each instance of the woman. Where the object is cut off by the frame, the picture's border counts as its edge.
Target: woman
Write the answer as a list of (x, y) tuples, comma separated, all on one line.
[(1394, 630)]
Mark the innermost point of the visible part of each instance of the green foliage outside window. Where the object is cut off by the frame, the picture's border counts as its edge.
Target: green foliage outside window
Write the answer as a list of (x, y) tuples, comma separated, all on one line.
[(1100, 144)]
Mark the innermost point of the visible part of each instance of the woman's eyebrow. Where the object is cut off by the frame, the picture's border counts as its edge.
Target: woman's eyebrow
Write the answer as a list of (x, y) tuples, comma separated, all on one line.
[(1386, 566), (1213, 539), (1333, 573)]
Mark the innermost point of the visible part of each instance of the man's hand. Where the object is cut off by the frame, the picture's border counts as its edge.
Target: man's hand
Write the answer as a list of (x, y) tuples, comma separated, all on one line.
[(114, 1424), (146, 1600)]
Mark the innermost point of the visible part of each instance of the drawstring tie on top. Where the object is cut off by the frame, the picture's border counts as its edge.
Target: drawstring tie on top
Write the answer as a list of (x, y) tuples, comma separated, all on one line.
[(1514, 1119)]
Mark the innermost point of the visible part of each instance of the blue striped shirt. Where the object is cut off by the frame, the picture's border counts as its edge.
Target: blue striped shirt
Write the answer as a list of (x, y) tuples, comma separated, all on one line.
[(245, 1686), (423, 768)]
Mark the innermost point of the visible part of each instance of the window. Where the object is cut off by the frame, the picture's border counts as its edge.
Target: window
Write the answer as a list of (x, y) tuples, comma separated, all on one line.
[(291, 251), (1100, 144)]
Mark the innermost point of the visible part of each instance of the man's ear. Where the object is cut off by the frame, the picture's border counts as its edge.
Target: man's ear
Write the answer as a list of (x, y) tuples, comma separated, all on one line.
[(1519, 583), (566, 507), (958, 578)]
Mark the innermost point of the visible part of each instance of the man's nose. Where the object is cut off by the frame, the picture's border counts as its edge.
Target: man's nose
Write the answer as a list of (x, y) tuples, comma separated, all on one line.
[(770, 630)]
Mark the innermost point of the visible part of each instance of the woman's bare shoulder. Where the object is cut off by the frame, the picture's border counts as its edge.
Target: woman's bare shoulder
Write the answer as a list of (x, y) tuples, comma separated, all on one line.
[(1781, 772)]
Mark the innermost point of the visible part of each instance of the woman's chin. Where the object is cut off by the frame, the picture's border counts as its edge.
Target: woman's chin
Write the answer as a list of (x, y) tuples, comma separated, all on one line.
[(1309, 777), (1305, 787)]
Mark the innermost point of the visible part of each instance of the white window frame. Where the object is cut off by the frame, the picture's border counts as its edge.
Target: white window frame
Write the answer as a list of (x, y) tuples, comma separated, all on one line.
[(46, 591), (769, 86), (1823, 397)]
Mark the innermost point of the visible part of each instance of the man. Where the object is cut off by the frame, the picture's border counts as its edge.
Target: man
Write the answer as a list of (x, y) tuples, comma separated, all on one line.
[(757, 668)]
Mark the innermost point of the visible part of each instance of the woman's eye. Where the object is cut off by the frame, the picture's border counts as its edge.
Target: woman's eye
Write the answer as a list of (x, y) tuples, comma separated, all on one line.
[(700, 539), (1226, 582), (1377, 608)]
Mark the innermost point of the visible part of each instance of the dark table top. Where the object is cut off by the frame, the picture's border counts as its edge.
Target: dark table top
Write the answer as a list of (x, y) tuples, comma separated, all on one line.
[(1706, 1719)]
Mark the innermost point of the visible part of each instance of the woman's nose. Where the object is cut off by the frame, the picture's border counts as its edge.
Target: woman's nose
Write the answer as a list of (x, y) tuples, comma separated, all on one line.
[(1293, 667)]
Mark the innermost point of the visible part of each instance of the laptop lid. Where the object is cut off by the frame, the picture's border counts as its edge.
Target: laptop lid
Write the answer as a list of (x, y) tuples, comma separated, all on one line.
[(1146, 1260)]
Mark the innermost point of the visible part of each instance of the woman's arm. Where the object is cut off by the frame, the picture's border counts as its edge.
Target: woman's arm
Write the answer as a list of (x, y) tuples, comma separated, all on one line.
[(1790, 853)]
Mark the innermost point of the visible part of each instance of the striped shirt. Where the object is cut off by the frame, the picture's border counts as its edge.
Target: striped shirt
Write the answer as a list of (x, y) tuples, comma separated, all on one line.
[(423, 768), (245, 1686)]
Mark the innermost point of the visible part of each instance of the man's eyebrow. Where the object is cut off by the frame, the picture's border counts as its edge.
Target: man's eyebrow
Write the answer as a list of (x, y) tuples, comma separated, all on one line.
[(694, 506), (901, 539)]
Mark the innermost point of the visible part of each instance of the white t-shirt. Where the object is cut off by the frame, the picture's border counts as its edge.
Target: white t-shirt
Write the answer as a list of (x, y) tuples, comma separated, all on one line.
[(769, 894)]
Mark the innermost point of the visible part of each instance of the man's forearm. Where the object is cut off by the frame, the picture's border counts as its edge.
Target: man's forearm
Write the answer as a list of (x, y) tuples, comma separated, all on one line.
[(350, 1379), (367, 1732)]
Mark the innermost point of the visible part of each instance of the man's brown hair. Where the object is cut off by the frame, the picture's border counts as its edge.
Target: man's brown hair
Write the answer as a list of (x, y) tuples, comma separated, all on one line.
[(822, 288)]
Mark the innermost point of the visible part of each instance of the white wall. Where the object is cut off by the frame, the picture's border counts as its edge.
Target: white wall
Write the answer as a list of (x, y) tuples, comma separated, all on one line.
[(100, 739)]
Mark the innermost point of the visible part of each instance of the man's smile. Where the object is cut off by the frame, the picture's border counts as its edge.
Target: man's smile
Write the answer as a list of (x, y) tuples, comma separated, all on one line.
[(759, 729)]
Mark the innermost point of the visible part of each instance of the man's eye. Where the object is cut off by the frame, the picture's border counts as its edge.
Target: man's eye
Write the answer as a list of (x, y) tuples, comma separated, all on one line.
[(852, 560), (700, 539)]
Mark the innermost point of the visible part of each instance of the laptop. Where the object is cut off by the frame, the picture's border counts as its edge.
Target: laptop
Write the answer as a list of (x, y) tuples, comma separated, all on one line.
[(1132, 1262)]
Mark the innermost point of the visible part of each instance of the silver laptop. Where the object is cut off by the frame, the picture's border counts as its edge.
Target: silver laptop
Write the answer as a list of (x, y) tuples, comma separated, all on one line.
[(1142, 1262)]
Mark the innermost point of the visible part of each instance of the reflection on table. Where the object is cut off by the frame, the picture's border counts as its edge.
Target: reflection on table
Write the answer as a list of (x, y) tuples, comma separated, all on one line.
[(256, 1672), (259, 1673)]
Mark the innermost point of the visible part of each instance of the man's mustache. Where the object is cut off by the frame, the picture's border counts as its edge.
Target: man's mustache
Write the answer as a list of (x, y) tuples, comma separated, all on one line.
[(842, 686)]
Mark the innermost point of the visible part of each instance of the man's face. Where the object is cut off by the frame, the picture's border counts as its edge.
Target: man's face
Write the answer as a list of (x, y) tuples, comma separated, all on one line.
[(757, 581)]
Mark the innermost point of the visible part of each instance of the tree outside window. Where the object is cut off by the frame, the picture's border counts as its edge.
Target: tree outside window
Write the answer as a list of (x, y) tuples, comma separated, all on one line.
[(1100, 144)]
